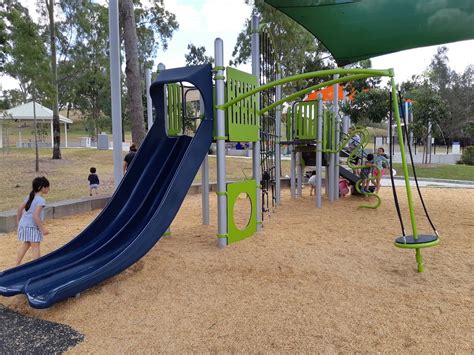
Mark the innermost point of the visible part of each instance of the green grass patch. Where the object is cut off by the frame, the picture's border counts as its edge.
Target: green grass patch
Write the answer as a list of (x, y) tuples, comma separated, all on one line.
[(449, 172)]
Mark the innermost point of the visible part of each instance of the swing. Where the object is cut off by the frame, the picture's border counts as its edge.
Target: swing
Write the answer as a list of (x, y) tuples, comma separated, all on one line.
[(410, 241)]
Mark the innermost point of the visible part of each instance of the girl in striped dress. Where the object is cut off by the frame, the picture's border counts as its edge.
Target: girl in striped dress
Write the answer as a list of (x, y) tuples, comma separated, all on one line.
[(30, 218)]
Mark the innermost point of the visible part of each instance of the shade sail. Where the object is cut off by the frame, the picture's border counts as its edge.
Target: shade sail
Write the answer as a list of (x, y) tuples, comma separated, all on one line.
[(354, 30)]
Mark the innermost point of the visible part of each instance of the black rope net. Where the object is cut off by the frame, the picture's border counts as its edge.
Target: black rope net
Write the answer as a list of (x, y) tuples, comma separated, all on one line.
[(268, 138)]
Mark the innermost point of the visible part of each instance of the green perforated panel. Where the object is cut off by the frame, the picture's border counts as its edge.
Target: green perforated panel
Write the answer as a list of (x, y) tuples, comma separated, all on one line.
[(175, 109), (233, 191), (306, 114), (242, 119)]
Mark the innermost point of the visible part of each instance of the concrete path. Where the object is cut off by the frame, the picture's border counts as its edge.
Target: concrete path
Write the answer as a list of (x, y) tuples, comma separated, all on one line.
[(424, 182)]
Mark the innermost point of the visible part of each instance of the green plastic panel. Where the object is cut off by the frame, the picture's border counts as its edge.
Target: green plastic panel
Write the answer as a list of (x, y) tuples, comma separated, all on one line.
[(354, 30), (306, 114), (175, 109), (233, 191), (289, 131), (242, 119)]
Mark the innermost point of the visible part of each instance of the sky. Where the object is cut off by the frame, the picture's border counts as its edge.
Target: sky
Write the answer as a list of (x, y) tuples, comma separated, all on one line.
[(201, 21)]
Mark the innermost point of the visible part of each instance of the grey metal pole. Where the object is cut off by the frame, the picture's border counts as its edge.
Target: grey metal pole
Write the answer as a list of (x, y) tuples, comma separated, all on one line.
[(115, 90), (278, 138), (292, 171), (204, 177), (330, 169), (299, 173), (407, 141), (162, 67), (256, 145), (337, 127), (346, 118), (149, 108), (221, 188), (319, 154)]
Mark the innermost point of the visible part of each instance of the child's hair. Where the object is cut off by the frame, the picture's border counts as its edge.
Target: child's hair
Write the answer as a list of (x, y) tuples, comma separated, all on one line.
[(38, 184), (370, 156), (383, 150), (93, 170), (313, 172), (133, 147)]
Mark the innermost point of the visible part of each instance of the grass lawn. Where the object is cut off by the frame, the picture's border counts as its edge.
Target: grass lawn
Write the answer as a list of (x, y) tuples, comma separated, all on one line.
[(450, 172), (68, 176)]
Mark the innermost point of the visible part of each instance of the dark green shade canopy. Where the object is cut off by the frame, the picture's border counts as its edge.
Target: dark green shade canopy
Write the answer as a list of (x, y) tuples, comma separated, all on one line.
[(354, 30)]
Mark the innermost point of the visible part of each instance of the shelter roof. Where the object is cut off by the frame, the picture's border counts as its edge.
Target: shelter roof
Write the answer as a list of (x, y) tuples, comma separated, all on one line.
[(25, 112)]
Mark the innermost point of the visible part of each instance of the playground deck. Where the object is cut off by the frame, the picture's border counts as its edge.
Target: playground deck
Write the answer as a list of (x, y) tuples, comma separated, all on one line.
[(326, 280)]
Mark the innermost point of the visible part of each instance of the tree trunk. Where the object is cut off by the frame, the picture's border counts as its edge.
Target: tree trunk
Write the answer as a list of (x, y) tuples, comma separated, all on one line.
[(54, 77), (36, 134), (132, 71)]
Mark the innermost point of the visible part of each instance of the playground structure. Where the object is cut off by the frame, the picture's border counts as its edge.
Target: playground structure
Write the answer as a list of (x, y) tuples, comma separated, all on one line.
[(155, 185)]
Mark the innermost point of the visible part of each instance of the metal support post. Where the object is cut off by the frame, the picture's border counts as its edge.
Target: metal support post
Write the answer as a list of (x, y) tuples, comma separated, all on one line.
[(299, 173), (292, 171), (149, 105), (256, 145), (204, 177), (337, 125), (278, 138), (319, 154), (221, 187), (115, 91)]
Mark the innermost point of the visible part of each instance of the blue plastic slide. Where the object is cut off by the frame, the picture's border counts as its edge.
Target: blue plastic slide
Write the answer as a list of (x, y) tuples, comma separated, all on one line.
[(140, 211)]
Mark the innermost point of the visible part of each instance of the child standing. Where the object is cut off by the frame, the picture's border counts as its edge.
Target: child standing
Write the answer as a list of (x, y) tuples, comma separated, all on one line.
[(381, 162), (365, 173), (30, 218), (312, 183), (93, 181)]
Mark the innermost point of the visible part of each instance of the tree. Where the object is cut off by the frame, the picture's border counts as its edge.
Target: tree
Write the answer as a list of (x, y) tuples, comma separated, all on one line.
[(155, 19), (25, 55), (370, 104), (132, 71), (296, 49), (197, 55), (456, 91), (54, 81), (429, 109), (83, 71)]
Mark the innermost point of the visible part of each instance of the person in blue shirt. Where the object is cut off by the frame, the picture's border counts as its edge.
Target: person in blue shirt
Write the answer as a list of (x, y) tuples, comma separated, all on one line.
[(381, 162), (94, 182), (30, 219)]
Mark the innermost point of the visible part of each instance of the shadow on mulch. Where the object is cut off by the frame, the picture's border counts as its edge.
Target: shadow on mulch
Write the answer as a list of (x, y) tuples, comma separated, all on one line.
[(26, 335)]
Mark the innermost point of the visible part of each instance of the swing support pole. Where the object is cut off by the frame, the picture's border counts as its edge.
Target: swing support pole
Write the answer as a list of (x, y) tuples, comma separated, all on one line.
[(396, 112)]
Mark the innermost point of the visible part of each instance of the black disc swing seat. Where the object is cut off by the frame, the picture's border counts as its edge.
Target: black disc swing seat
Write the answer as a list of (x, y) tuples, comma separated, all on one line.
[(422, 241)]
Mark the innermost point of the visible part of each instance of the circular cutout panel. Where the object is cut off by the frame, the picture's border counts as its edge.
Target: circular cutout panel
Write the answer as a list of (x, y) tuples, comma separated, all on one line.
[(242, 211)]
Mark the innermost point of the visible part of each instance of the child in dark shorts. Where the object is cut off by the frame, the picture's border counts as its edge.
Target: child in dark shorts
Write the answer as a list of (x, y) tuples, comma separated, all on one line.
[(365, 173)]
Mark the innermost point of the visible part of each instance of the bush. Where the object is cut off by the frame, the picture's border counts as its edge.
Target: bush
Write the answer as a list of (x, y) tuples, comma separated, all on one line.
[(468, 155)]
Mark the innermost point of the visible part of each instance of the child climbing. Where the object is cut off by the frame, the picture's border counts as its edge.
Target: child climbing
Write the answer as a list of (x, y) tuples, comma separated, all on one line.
[(365, 173)]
